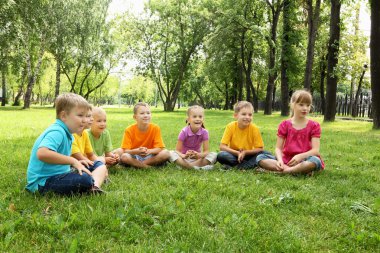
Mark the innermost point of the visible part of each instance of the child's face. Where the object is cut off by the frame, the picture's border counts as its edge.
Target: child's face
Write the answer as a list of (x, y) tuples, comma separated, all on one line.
[(195, 118), (244, 117), (143, 115), (89, 119), (99, 123), (75, 119), (301, 109)]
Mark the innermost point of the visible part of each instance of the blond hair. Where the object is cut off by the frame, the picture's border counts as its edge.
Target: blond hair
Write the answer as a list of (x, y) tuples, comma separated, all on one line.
[(139, 104), (300, 96), (67, 101), (242, 104), (98, 110)]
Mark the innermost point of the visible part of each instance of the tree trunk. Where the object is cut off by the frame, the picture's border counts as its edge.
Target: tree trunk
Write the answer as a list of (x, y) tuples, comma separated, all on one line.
[(57, 80), (332, 61), (285, 60), (358, 91), (3, 87), (272, 74), (32, 76), (313, 22), (322, 84), (375, 62), (226, 96)]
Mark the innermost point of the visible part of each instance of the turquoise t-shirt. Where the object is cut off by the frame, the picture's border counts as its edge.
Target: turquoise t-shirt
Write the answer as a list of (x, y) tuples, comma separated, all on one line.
[(58, 138), (101, 145)]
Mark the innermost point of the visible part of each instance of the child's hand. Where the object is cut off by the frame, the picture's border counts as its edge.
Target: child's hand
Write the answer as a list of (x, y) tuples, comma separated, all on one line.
[(80, 167), (111, 160), (195, 155), (86, 162), (241, 156), (189, 154), (116, 156), (295, 160), (142, 151), (280, 166)]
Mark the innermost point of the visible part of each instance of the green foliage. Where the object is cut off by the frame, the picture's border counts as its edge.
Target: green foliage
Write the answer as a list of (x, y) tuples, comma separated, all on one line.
[(173, 210)]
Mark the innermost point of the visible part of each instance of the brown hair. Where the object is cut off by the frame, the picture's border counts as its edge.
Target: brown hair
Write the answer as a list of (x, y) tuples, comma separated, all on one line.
[(300, 96), (67, 101), (139, 104), (242, 104)]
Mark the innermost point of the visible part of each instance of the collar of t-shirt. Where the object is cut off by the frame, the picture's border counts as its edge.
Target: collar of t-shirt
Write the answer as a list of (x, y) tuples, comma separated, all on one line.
[(190, 133)]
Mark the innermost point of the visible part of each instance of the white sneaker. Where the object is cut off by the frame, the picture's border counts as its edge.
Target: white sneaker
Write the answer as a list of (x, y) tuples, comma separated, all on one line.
[(207, 167)]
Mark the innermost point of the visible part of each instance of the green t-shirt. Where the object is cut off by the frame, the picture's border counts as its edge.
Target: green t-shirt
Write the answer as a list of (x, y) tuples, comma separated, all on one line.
[(101, 145)]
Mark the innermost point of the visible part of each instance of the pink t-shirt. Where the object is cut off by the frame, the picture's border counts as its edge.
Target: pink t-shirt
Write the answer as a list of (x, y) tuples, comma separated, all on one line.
[(297, 141), (192, 141)]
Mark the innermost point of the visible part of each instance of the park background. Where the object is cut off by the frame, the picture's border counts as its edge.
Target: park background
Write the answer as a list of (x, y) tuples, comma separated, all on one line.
[(172, 54)]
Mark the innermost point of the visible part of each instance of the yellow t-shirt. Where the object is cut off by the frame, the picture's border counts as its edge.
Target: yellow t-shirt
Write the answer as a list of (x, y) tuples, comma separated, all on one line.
[(247, 139), (81, 144), (134, 138)]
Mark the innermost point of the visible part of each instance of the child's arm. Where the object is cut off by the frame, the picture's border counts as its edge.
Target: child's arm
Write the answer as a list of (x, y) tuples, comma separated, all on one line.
[(278, 152), (84, 160), (91, 156), (314, 151), (178, 148), (204, 153), (224, 147), (49, 156)]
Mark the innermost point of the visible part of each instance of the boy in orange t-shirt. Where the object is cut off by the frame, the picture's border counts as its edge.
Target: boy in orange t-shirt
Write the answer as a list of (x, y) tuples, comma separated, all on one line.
[(142, 143)]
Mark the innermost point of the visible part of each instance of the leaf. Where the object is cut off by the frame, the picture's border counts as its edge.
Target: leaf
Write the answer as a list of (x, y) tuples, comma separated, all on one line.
[(12, 207), (359, 207)]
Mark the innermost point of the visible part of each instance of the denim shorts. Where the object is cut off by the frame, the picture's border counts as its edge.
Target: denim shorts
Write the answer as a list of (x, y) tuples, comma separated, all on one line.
[(142, 158), (313, 159)]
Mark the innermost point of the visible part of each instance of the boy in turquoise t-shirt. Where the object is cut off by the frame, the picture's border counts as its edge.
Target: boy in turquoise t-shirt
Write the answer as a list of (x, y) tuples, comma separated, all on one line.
[(50, 160), (100, 137)]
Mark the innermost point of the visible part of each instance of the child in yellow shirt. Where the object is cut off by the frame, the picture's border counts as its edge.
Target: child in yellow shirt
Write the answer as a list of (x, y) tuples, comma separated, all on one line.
[(241, 141)]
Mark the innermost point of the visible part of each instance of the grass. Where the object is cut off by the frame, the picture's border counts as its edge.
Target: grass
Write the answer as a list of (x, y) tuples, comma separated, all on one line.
[(171, 210)]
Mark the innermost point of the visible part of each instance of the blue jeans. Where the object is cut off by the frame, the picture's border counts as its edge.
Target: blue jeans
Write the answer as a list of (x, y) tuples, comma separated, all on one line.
[(313, 159), (226, 158), (70, 183)]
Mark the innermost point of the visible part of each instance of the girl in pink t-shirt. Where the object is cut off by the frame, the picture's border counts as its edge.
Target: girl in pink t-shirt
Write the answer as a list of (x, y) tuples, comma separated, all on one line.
[(298, 140), (191, 140)]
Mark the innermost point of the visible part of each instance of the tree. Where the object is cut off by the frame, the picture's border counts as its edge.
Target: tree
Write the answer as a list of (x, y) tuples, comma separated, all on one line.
[(375, 62), (313, 22), (171, 33), (332, 61), (275, 8)]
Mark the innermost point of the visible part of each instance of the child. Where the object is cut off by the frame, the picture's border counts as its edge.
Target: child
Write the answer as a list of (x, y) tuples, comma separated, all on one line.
[(82, 149), (100, 137), (241, 141), (298, 140), (50, 160), (188, 149), (142, 143)]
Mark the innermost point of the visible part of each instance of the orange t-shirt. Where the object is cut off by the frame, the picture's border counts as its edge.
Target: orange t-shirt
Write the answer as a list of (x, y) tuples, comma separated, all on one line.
[(134, 138)]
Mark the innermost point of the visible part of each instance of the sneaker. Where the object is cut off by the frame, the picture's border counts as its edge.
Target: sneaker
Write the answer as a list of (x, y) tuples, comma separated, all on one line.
[(96, 190), (196, 167), (207, 167), (226, 167)]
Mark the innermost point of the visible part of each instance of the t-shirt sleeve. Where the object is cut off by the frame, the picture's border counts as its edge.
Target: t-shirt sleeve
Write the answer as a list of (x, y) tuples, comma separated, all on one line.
[(52, 140), (126, 143), (158, 142), (87, 145), (75, 147), (282, 129), (205, 135), (226, 139), (316, 130), (182, 135), (108, 142)]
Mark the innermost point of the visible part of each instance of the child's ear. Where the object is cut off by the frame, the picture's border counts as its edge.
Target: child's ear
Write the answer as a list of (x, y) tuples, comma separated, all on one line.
[(235, 115)]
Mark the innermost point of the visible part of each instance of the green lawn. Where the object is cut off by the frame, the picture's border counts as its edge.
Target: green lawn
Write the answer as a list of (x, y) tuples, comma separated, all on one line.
[(172, 210)]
